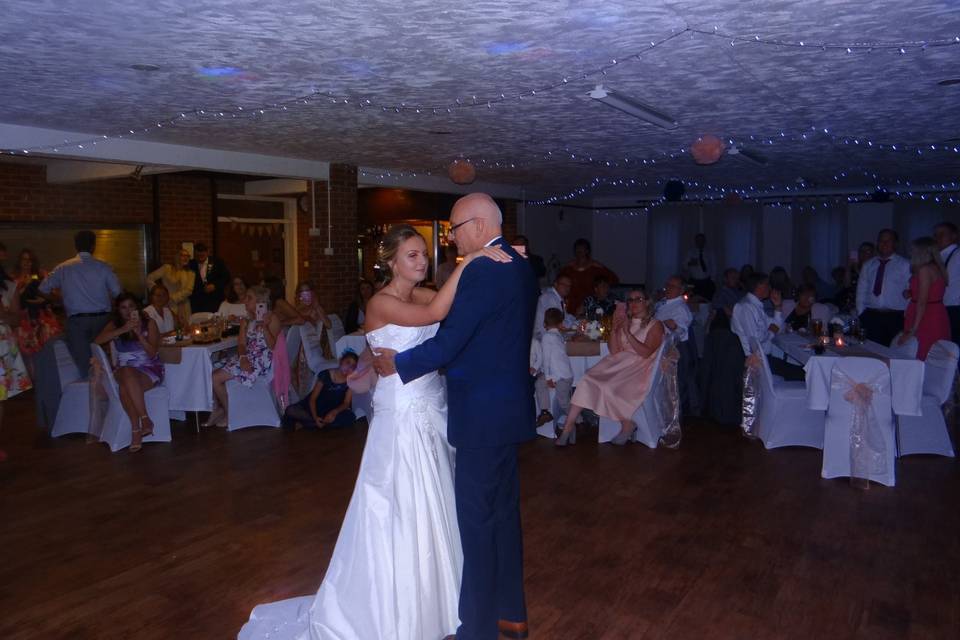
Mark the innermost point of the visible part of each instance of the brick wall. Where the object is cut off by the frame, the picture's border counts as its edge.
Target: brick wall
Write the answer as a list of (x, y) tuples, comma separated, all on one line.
[(335, 277), (186, 213), (509, 211)]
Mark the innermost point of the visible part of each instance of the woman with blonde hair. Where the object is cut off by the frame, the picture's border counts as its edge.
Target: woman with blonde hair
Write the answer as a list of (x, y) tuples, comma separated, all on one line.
[(926, 318), (178, 278)]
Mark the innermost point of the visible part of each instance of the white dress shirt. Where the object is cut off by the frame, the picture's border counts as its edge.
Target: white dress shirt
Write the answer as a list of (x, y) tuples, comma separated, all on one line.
[(164, 321), (751, 321), (556, 363), (695, 270), (675, 309), (86, 284), (951, 260), (550, 299), (896, 278)]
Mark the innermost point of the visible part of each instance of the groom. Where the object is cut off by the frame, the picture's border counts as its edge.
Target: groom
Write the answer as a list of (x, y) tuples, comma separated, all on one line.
[(484, 345)]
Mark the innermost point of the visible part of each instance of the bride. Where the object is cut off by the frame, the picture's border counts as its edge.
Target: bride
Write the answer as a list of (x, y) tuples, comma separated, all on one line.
[(395, 570)]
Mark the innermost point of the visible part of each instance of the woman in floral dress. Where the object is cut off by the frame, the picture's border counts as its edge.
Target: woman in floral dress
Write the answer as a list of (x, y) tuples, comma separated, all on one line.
[(13, 373), (254, 359)]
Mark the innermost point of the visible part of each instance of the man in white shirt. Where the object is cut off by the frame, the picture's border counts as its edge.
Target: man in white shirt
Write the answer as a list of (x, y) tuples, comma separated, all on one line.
[(751, 321), (555, 371), (553, 297), (945, 235), (700, 267), (883, 279)]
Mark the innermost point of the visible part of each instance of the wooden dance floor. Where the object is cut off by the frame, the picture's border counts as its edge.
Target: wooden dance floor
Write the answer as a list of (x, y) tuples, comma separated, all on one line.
[(720, 539)]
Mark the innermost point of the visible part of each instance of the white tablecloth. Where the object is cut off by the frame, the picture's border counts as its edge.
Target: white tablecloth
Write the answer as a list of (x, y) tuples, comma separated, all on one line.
[(355, 342), (906, 376), (190, 383), (580, 364)]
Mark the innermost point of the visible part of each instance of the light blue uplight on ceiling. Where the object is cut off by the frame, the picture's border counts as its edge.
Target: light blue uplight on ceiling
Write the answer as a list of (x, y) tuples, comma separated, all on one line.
[(505, 48), (218, 72)]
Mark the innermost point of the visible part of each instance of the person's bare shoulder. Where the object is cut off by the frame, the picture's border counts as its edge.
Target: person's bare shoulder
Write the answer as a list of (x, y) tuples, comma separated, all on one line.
[(422, 295)]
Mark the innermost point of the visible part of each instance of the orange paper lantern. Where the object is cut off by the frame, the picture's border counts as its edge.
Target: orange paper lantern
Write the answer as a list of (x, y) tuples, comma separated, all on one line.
[(707, 149), (462, 172)]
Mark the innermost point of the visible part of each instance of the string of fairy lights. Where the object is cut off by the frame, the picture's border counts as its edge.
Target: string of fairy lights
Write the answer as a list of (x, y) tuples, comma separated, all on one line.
[(318, 97)]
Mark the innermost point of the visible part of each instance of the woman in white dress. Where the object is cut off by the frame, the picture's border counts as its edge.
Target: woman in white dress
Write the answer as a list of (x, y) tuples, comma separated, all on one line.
[(396, 568)]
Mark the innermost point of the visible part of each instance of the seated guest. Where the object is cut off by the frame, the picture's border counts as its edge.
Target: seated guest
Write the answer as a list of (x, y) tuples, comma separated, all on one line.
[(582, 271), (179, 279), (799, 318), (617, 385), (254, 359), (136, 340), (600, 299), (160, 312), (555, 371), (725, 299), (880, 301), (926, 318), (552, 297), (285, 312), (824, 290), (751, 321), (356, 312), (233, 309), (308, 306), (780, 282), (673, 311), (328, 405), (845, 297)]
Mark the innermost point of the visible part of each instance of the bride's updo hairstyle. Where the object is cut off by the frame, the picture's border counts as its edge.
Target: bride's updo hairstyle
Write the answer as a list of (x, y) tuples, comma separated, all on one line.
[(396, 236)]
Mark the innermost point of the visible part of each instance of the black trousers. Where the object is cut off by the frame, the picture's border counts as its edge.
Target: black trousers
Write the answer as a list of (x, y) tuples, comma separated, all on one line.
[(954, 314), (881, 326)]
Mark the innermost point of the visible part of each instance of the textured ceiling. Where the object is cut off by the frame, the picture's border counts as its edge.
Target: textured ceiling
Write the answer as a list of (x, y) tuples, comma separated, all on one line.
[(66, 64)]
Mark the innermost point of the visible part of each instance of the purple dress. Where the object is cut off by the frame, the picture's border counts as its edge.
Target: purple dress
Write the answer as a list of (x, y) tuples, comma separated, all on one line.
[(130, 353)]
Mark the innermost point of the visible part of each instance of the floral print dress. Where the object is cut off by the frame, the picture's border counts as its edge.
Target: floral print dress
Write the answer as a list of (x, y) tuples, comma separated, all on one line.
[(258, 353)]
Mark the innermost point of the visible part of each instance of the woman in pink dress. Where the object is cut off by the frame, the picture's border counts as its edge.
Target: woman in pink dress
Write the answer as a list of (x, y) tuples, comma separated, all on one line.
[(926, 318), (618, 384)]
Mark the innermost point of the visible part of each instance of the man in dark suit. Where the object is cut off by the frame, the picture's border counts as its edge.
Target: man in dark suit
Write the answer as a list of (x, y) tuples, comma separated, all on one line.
[(209, 285), (484, 345)]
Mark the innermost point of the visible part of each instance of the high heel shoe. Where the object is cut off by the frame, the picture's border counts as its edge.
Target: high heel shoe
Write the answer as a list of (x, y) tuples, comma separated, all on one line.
[(566, 437), (215, 417), (624, 436), (136, 446), (145, 432)]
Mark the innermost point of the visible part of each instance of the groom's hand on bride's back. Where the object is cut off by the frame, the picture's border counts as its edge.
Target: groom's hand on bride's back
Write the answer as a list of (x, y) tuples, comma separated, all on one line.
[(383, 362)]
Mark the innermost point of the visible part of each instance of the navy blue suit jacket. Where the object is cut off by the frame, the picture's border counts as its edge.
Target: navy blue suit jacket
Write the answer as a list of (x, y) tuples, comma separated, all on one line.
[(484, 344)]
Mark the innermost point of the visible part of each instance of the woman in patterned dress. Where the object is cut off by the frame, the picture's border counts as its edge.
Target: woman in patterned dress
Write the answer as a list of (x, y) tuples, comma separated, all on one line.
[(13, 373), (254, 359), (37, 323)]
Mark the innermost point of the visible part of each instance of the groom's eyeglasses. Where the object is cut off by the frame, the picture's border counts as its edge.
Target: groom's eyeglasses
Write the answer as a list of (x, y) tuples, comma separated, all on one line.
[(454, 228)]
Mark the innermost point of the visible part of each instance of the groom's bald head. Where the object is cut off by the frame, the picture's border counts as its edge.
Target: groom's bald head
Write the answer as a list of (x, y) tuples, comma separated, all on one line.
[(478, 220)]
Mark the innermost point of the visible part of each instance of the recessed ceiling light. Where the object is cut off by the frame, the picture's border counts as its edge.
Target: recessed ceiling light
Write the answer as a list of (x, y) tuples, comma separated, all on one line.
[(948, 82), (145, 67), (440, 133)]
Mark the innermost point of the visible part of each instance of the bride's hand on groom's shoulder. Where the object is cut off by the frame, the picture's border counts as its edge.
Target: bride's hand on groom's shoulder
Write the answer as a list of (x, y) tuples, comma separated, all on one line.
[(494, 253)]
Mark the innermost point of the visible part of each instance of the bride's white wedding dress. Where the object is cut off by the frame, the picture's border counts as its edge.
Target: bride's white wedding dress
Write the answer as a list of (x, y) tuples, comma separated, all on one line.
[(395, 571)]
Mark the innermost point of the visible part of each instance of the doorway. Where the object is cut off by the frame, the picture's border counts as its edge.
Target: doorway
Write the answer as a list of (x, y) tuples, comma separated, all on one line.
[(257, 238)]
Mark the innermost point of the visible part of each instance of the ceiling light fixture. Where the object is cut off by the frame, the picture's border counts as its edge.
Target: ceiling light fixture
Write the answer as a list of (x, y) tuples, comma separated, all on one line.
[(949, 82), (145, 67), (632, 107)]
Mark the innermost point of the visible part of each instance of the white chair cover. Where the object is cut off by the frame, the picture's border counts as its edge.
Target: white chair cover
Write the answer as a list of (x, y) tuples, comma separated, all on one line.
[(701, 320), (907, 350), (334, 333), (310, 338), (928, 432), (650, 424), (108, 421), (859, 439), (73, 412), (251, 406), (783, 417), (200, 316)]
